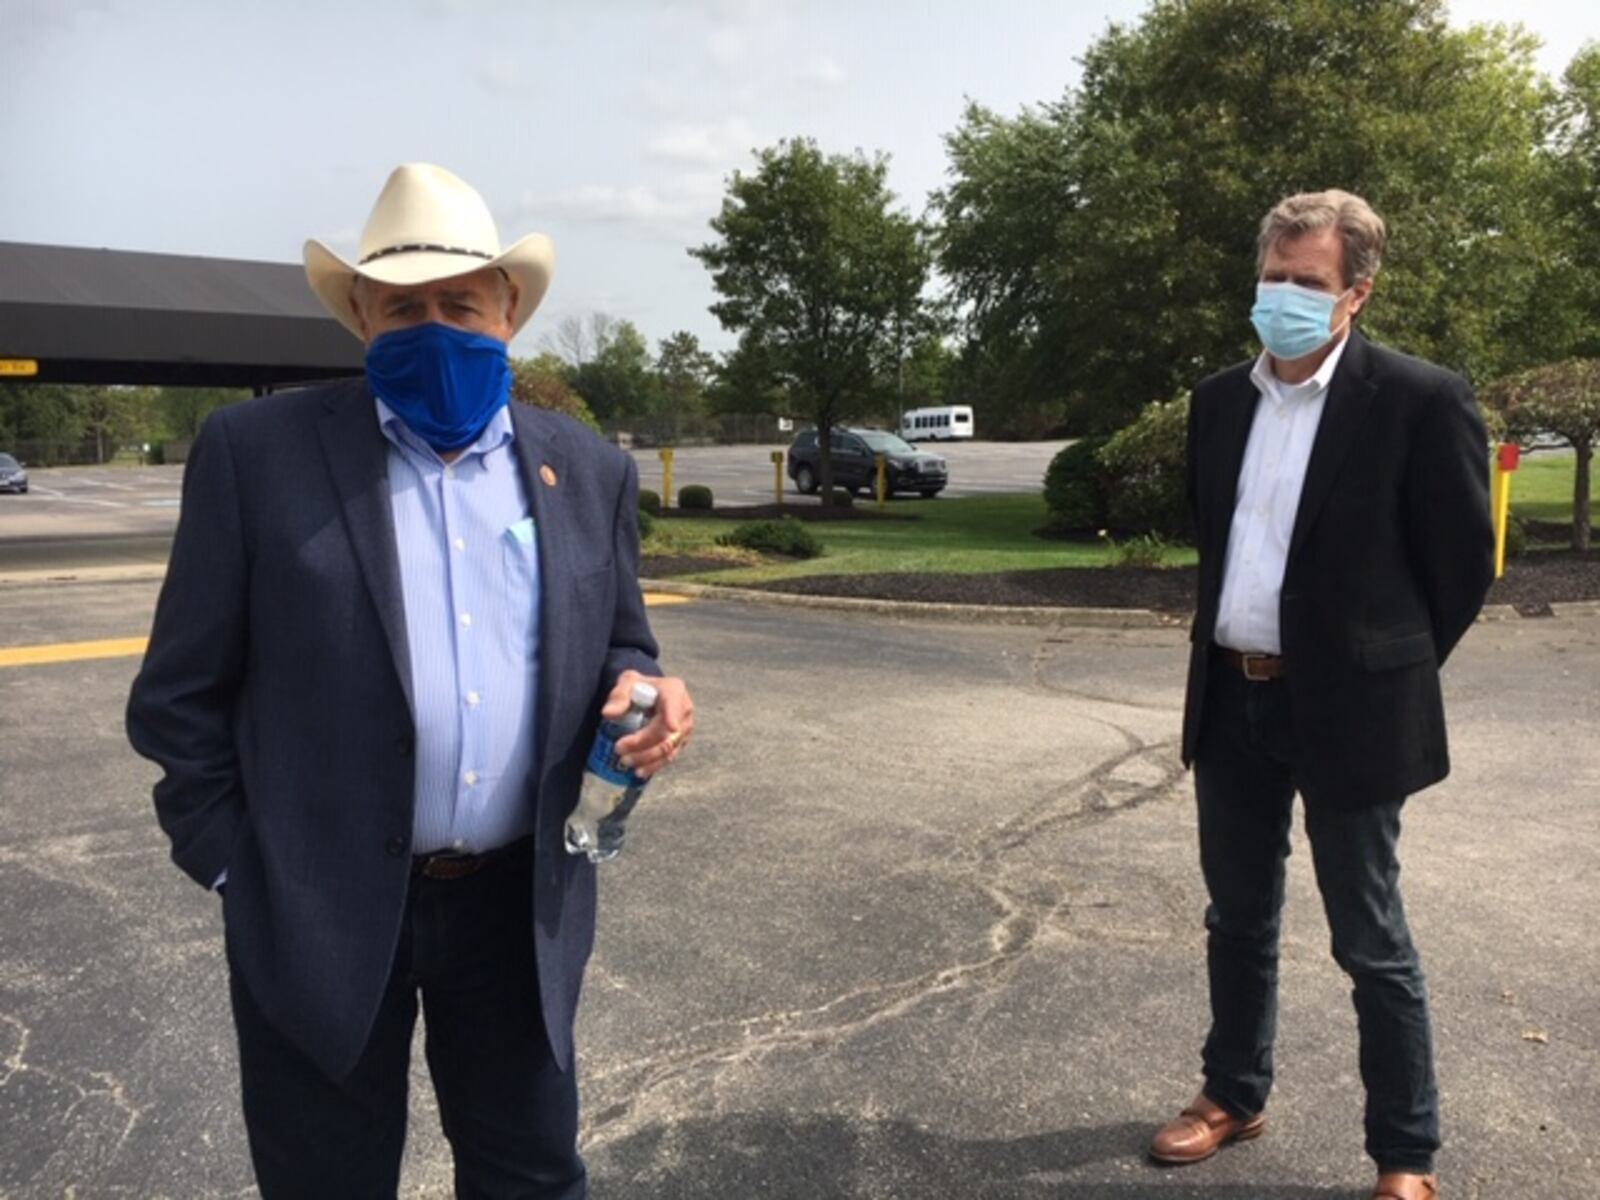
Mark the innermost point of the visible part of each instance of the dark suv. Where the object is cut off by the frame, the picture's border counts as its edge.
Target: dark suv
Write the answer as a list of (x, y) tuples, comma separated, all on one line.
[(855, 465)]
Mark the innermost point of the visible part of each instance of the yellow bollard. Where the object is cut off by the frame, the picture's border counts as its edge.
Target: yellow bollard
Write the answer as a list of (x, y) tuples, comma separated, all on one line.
[(777, 477), (666, 476), (1506, 460), (883, 478)]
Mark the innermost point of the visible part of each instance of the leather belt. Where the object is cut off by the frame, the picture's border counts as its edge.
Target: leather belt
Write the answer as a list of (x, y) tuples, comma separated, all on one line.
[(448, 864), (1257, 668)]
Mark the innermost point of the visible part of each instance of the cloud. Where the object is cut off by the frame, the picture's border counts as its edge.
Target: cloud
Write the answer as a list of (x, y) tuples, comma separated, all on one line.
[(822, 73), (726, 46), (704, 145), (676, 211), (503, 76)]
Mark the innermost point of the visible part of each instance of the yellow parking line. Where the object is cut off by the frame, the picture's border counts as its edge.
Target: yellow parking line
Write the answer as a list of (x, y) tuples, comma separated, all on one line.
[(60, 652), (32, 656)]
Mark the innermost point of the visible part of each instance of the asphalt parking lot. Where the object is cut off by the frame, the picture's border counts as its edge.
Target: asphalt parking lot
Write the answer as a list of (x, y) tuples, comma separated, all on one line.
[(918, 917)]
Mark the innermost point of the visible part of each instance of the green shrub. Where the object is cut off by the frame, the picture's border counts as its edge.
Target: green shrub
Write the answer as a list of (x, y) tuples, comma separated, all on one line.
[(787, 536), (1146, 550), (1075, 487), (647, 524), (695, 496), (843, 497), (1145, 465), (650, 502)]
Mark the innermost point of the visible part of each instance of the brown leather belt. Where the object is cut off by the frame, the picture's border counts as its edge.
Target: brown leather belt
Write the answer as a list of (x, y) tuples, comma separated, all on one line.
[(447, 864), (1257, 668)]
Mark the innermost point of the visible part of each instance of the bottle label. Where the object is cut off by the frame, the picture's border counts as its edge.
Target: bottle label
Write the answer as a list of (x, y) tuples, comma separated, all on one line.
[(603, 761)]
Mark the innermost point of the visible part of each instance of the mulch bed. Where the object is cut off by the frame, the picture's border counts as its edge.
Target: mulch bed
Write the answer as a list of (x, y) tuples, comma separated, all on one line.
[(665, 566), (1532, 584)]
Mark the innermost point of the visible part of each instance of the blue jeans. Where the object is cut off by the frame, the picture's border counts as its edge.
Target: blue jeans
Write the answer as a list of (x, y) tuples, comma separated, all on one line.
[(510, 1114), (1245, 786)]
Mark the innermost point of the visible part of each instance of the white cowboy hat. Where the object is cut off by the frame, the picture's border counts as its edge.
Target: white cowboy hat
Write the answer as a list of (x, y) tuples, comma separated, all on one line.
[(429, 224)]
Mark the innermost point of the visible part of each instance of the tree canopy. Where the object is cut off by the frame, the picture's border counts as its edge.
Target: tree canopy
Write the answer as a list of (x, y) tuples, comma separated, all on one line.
[(818, 274), (1103, 245)]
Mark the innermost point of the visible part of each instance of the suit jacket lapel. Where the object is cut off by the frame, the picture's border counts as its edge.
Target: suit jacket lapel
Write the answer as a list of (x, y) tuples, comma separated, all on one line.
[(358, 460), (543, 464), (1343, 415)]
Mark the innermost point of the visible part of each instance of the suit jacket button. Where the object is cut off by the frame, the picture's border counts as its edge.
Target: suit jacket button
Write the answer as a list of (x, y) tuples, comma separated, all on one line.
[(405, 745), (396, 846)]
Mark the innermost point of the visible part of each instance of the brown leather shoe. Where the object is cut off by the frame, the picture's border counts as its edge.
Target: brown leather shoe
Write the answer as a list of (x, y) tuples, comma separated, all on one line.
[(1200, 1130), (1401, 1185)]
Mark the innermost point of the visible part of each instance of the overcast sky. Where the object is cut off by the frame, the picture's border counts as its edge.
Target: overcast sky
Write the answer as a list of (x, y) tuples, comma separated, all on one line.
[(240, 128)]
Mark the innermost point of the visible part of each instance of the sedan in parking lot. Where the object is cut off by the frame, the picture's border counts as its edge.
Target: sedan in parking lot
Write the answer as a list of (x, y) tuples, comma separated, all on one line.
[(855, 466), (12, 477)]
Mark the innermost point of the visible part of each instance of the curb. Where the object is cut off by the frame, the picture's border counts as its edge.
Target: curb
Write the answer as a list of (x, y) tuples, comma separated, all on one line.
[(992, 614)]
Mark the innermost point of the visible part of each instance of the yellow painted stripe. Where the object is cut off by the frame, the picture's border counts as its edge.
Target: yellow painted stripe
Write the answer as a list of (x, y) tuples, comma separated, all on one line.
[(33, 656), (60, 652)]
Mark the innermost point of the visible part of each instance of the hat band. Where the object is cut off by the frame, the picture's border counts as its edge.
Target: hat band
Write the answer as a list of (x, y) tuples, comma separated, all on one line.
[(407, 247)]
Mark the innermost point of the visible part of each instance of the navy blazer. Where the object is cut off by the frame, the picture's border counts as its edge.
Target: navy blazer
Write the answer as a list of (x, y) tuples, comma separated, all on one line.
[(274, 696), (1390, 557)]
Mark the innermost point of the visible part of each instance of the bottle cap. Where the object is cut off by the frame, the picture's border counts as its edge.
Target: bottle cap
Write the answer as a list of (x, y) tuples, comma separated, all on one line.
[(644, 696)]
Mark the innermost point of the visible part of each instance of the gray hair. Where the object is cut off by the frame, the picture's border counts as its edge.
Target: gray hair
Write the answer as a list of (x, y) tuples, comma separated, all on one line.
[(1361, 231)]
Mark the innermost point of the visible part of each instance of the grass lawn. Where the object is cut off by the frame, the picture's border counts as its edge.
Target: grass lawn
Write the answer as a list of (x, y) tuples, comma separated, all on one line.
[(976, 535), (1541, 489)]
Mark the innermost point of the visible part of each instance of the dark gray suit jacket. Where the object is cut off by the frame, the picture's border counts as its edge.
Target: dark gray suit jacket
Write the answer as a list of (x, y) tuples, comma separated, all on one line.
[(274, 697), (1391, 555)]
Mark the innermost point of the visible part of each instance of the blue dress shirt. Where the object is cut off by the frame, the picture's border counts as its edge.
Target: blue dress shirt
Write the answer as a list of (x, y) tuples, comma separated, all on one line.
[(469, 571)]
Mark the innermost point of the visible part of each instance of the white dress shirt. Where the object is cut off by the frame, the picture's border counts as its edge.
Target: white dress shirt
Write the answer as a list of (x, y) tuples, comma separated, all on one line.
[(1270, 480)]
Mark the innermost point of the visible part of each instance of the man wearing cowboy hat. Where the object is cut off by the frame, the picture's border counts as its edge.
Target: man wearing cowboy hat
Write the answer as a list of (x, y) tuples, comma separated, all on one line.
[(395, 611)]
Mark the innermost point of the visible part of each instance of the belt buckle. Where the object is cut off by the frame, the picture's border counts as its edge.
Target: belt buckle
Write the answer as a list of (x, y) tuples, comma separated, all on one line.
[(1245, 661)]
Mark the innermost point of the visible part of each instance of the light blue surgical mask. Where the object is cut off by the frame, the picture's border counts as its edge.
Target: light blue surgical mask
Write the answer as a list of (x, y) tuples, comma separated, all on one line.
[(1294, 321)]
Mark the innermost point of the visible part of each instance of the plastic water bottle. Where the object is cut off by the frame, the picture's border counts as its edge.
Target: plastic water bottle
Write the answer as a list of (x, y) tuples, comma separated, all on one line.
[(609, 789)]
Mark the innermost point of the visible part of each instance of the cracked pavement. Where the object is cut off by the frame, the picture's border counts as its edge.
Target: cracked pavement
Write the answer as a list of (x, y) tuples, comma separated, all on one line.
[(918, 916)]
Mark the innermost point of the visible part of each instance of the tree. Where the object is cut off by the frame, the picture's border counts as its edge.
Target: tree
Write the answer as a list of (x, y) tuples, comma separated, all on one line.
[(179, 411), (1564, 398), (813, 266), (617, 382), (542, 383), (1103, 245), (998, 241), (1570, 288), (684, 372), (578, 339)]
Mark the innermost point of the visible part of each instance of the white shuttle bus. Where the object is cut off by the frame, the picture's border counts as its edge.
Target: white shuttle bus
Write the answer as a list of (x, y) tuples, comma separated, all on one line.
[(937, 424)]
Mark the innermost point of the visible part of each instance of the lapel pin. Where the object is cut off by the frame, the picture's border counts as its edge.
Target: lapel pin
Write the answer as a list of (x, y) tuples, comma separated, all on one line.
[(548, 475)]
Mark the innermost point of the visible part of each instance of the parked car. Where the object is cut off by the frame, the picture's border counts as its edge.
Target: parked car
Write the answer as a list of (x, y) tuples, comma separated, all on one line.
[(12, 477), (854, 453)]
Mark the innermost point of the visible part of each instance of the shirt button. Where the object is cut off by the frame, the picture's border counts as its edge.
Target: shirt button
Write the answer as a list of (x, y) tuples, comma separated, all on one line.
[(449, 472), (472, 699), (460, 543), (459, 844), (395, 846), (466, 620), (471, 777), (404, 746)]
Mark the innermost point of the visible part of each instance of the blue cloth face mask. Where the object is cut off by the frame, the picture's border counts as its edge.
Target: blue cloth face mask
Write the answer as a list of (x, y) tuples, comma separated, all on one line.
[(1293, 321), (444, 383)]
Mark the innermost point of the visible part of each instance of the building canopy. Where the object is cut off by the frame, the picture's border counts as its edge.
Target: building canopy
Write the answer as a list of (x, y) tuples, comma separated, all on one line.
[(117, 316)]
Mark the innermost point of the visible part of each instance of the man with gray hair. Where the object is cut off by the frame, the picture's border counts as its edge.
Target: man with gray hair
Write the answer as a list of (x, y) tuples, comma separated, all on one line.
[(1340, 498)]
